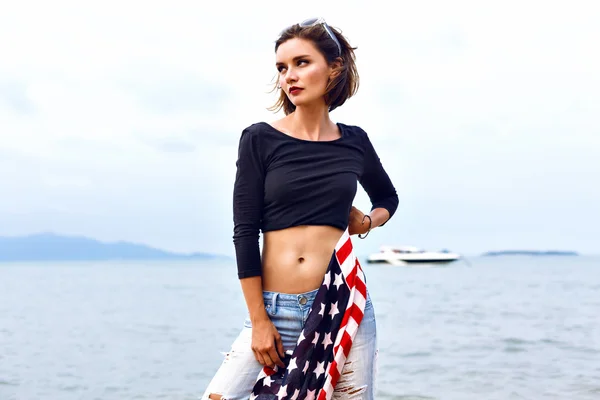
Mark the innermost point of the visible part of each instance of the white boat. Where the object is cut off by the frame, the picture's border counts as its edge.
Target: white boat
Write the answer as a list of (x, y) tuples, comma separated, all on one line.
[(410, 255)]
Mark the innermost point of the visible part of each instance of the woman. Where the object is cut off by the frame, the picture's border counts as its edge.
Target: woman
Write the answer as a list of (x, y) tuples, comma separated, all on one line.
[(296, 180)]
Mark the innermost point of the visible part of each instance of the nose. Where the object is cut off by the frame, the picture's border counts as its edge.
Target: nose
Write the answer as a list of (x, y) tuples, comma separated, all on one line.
[(290, 76)]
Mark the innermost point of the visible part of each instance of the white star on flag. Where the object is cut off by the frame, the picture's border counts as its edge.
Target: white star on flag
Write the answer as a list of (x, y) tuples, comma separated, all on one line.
[(316, 339), (253, 396), (295, 395), (267, 381), (301, 338), (282, 392), (338, 281), (320, 369), (334, 310), (310, 395), (322, 312), (292, 365), (327, 340), (305, 367), (327, 280)]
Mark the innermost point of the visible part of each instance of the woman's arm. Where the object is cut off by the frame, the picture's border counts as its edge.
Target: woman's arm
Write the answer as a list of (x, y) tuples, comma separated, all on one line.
[(379, 187), (359, 224), (248, 193), (266, 341)]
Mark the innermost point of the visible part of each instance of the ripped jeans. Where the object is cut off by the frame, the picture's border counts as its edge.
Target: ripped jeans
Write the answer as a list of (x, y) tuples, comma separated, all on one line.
[(238, 373)]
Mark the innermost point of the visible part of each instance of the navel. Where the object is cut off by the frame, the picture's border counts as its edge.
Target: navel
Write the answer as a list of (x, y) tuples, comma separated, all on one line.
[(300, 260)]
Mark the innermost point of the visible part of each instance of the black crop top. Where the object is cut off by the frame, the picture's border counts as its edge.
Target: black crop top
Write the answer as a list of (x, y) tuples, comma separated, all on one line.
[(282, 181)]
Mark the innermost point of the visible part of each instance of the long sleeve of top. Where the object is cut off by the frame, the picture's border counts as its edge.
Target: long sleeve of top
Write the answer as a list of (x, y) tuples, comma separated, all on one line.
[(248, 205), (376, 181)]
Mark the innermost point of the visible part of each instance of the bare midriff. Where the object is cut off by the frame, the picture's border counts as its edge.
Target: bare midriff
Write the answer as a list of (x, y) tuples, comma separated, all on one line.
[(295, 259)]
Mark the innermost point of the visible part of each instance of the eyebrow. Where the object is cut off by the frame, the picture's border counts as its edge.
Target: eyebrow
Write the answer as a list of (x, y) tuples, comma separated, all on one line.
[(294, 59)]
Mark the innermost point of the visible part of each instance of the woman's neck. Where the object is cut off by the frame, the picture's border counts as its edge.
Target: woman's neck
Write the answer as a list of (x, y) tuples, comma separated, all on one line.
[(311, 124)]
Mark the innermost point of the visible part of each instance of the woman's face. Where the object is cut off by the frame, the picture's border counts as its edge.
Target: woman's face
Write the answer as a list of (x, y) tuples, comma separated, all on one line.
[(302, 66)]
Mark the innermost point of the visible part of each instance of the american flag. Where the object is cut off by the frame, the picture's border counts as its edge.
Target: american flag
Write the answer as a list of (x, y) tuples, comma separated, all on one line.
[(315, 365)]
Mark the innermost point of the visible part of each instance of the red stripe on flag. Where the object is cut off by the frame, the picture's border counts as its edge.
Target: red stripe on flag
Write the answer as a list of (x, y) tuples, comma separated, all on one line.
[(334, 373), (361, 287), (356, 313), (344, 251), (322, 395), (345, 319), (346, 343), (353, 312), (351, 278)]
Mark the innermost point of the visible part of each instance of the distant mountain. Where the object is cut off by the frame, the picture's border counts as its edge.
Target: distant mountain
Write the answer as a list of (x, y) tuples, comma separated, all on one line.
[(52, 247), (530, 253)]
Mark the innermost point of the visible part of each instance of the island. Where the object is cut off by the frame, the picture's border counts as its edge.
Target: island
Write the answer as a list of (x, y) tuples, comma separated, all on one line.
[(530, 253), (54, 247)]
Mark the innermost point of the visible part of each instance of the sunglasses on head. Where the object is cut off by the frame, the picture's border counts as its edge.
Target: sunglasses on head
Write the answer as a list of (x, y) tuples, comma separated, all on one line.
[(316, 21)]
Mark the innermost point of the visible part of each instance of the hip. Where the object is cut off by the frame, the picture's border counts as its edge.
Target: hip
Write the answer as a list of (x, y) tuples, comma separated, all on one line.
[(289, 313)]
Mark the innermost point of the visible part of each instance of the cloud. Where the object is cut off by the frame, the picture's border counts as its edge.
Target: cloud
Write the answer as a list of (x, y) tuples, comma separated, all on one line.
[(120, 125), (160, 92), (14, 97), (174, 147)]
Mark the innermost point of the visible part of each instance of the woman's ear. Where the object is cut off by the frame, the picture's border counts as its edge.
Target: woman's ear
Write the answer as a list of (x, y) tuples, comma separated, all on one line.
[(336, 67)]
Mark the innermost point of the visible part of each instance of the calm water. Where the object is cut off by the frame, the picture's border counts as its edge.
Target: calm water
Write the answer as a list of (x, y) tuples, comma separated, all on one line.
[(504, 328)]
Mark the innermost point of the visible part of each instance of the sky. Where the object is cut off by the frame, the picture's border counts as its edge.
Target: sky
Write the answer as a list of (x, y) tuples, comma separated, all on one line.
[(119, 120)]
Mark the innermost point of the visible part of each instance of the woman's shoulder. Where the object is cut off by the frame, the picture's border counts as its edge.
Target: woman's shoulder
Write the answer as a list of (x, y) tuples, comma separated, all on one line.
[(258, 129), (353, 131), (255, 128), (253, 132), (260, 136)]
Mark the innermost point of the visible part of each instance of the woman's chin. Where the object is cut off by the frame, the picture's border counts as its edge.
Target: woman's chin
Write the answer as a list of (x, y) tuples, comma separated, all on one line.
[(300, 102)]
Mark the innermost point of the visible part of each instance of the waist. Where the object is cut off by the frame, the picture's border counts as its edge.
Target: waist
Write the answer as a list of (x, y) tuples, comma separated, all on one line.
[(303, 238), (273, 300), (289, 299), (295, 259)]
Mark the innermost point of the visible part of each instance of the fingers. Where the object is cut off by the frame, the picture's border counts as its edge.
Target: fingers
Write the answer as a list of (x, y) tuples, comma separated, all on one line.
[(275, 357), (268, 357), (259, 357), (279, 344), (268, 360), (263, 357), (268, 346)]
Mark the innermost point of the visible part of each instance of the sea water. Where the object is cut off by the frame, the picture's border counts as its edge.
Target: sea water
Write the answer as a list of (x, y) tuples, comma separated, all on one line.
[(500, 328)]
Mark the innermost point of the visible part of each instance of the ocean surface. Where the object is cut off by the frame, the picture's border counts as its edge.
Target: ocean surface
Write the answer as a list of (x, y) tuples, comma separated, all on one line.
[(508, 327)]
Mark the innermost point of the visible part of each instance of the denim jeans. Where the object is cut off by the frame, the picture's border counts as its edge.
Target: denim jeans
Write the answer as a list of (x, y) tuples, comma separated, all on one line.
[(238, 373)]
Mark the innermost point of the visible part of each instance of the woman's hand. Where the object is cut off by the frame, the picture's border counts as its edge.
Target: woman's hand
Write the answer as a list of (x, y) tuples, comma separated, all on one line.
[(266, 343), (357, 222)]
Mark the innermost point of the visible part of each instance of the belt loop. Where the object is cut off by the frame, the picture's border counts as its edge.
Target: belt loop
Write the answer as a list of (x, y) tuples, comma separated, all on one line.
[(274, 303)]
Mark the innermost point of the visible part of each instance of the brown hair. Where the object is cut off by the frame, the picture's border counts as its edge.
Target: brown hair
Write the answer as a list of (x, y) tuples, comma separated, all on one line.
[(344, 85)]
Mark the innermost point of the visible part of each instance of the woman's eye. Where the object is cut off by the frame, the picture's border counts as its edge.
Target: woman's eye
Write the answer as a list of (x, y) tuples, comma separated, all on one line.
[(282, 68)]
